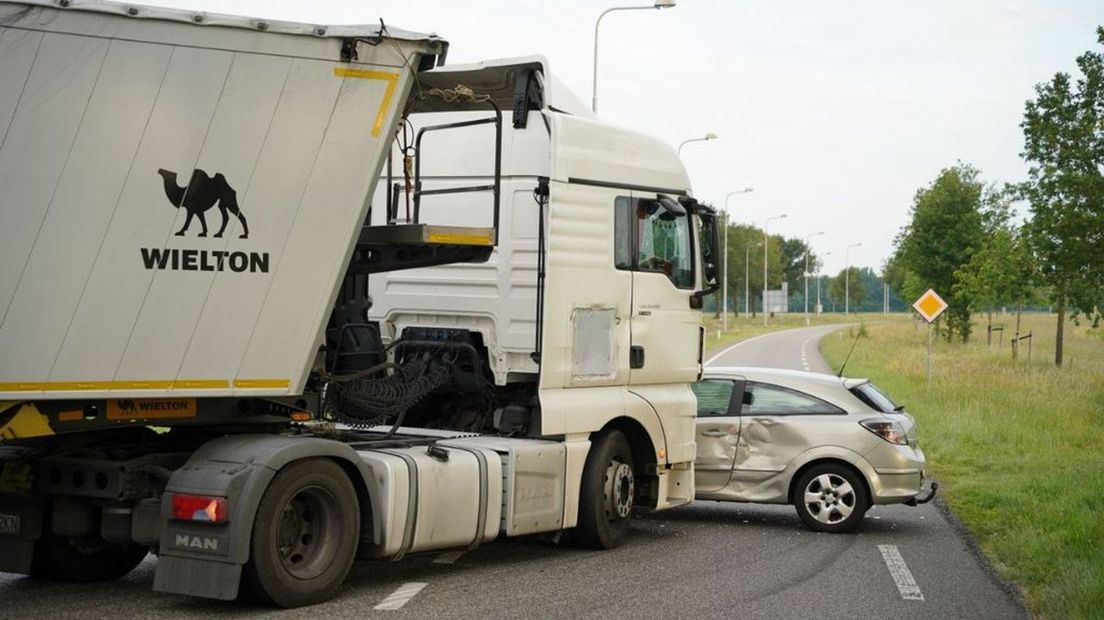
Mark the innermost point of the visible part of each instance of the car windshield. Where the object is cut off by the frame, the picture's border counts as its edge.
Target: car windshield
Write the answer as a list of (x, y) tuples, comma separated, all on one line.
[(875, 398)]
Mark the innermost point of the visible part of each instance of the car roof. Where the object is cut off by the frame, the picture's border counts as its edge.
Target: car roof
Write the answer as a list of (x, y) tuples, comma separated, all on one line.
[(823, 385)]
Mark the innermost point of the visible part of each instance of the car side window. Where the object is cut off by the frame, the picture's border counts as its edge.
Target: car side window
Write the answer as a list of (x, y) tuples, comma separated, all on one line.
[(764, 399), (714, 397)]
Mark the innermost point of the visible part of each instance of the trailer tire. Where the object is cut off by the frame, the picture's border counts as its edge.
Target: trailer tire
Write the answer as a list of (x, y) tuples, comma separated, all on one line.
[(607, 492), (62, 558), (305, 535)]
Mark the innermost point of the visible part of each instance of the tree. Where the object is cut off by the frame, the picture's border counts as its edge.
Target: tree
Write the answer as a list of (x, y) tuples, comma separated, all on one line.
[(741, 237), (1002, 270), (944, 232), (848, 288), (1064, 147)]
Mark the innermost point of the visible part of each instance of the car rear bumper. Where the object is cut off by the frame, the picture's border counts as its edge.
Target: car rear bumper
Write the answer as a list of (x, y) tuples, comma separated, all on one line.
[(898, 473)]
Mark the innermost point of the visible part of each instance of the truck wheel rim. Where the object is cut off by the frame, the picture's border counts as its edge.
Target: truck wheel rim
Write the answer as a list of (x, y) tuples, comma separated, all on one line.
[(829, 498), (308, 532), (620, 488)]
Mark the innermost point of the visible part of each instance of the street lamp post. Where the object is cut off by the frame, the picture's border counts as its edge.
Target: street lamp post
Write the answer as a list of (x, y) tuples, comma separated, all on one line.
[(747, 273), (659, 4), (724, 280), (816, 234), (706, 137), (818, 306), (847, 278), (766, 245)]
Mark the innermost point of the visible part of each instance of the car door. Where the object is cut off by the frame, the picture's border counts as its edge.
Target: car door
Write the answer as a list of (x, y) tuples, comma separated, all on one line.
[(718, 431), (776, 425)]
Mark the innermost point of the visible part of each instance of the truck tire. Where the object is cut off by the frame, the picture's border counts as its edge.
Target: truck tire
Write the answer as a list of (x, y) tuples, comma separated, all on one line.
[(83, 559), (607, 491), (305, 535)]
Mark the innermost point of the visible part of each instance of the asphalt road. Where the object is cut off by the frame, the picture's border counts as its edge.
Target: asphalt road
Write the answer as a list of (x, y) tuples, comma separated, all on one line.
[(710, 560)]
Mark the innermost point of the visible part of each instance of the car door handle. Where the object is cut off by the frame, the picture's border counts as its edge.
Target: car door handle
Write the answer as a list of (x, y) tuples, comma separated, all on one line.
[(715, 432)]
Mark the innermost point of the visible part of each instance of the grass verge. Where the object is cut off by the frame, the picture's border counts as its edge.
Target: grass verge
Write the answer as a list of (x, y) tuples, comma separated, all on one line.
[(1018, 446)]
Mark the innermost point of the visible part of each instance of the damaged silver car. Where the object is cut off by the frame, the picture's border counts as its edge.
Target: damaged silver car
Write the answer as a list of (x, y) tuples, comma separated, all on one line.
[(831, 446)]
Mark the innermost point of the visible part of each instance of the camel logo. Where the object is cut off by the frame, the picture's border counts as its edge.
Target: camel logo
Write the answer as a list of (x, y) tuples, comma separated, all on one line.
[(203, 192)]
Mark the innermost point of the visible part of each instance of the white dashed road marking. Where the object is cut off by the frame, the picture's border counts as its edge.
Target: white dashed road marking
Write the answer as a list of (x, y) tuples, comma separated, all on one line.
[(906, 585), (448, 557), (401, 596)]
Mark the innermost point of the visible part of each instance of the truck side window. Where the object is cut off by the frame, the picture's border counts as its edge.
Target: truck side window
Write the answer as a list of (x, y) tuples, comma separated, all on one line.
[(648, 237)]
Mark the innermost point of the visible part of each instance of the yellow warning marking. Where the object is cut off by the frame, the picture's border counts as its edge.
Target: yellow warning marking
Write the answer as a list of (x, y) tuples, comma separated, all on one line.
[(459, 238), (27, 422), (392, 80), (157, 384), (151, 408), (262, 383)]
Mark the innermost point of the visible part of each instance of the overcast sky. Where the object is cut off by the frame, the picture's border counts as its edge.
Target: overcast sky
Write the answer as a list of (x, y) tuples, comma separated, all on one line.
[(834, 111)]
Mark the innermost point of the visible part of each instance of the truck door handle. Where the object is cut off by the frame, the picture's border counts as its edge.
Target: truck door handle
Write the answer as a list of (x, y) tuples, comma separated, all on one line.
[(636, 356), (645, 313), (715, 432)]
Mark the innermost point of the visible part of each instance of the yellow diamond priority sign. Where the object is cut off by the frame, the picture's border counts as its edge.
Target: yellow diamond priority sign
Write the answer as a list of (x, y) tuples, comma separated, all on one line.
[(930, 305)]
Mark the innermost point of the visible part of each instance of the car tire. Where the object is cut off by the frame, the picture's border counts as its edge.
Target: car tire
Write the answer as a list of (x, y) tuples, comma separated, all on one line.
[(83, 560), (831, 498), (607, 492), (305, 535)]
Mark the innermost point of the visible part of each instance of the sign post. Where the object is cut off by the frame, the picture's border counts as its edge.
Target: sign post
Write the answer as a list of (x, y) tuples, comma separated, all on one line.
[(930, 306)]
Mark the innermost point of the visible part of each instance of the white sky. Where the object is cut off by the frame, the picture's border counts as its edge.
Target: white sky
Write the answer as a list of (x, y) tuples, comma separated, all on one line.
[(835, 111)]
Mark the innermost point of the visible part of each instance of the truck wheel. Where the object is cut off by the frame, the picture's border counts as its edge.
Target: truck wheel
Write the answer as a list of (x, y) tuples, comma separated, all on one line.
[(607, 492), (831, 498), (83, 559), (305, 535)]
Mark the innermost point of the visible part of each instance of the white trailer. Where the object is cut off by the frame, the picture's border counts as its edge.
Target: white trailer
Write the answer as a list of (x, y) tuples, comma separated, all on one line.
[(436, 306)]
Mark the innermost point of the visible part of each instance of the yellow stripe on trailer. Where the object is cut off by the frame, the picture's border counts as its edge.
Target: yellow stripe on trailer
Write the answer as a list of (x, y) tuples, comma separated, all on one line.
[(459, 238), (392, 80)]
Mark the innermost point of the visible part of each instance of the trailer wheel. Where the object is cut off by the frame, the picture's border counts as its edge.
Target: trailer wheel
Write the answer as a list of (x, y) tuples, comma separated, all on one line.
[(607, 492), (305, 535), (83, 559)]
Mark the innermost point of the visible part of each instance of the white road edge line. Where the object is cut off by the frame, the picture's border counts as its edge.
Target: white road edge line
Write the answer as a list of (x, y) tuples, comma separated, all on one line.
[(401, 596), (449, 557), (733, 346), (906, 585)]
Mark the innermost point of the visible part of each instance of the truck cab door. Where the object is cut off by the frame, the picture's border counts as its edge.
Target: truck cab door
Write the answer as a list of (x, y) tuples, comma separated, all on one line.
[(718, 431), (656, 242)]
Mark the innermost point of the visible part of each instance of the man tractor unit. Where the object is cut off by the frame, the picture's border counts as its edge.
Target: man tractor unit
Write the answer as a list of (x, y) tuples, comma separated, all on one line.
[(276, 296)]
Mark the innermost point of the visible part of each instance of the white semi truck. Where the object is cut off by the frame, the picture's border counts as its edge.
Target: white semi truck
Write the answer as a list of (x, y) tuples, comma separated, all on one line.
[(275, 296)]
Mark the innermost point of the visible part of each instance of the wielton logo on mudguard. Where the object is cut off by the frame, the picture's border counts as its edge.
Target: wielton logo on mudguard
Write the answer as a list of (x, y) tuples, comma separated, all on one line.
[(203, 193)]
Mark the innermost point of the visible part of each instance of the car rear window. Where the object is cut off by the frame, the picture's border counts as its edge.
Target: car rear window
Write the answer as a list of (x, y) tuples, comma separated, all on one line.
[(874, 398)]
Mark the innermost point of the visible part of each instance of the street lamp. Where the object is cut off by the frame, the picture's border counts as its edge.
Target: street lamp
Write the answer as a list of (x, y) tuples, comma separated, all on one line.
[(659, 4), (766, 245), (818, 307), (706, 137), (816, 234), (724, 280), (847, 278), (747, 272)]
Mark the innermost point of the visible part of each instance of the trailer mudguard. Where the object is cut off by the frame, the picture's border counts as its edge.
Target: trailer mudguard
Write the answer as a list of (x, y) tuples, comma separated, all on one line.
[(200, 559)]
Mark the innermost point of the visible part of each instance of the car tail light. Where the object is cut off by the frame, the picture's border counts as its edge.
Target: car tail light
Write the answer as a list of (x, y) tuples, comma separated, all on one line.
[(199, 508), (888, 430)]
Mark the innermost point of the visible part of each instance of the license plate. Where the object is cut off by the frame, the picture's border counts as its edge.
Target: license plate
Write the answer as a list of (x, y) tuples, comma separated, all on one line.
[(9, 524)]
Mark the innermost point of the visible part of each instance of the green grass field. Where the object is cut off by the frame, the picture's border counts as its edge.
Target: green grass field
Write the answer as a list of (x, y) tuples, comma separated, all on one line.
[(1018, 446)]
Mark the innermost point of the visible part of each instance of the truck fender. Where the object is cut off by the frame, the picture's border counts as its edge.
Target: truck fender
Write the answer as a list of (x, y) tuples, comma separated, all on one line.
[(239, 468)]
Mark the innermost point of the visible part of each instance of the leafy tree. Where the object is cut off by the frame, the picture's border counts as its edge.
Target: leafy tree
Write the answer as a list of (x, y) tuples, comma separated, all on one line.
[(1064, 146), (848, 288), (741, 237), (944, 232)]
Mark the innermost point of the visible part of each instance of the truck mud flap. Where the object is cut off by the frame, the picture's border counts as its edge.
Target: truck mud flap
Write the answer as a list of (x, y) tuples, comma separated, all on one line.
[(20, 527)]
